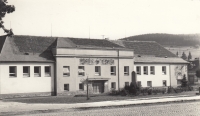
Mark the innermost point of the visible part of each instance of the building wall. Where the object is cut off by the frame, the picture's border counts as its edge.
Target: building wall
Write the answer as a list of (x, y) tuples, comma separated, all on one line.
[(157, 78), (66, 57), (177, 72), (20, 84)]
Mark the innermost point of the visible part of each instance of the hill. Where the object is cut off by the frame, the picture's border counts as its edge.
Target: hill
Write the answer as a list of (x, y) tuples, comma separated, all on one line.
[(168, 39)]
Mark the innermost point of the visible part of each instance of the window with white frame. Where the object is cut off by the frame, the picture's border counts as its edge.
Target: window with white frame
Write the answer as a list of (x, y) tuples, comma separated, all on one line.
[(149, 83), (37, 71), (126, 70), (152, 70), (164, 83), (113, 70), (164, 72), (81, 71), (145, 70), (13, 71), (138, 70), (66, 71), (26, 71), (98, 70), (47, 71), (113, 85)]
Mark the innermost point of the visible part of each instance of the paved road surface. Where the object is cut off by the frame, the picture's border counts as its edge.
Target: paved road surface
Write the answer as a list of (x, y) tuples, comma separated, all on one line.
[(172, 109)]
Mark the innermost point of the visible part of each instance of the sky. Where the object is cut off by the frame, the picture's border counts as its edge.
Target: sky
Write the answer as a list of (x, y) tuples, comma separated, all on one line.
[(113, 19)]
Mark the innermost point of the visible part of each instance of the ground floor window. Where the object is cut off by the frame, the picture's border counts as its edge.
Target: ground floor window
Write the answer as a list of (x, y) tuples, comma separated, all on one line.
[(113, 85), (47, 70), (139, 84), (81, 86), (66, 87), (26, 71), (126, 83), (164, 83), (149, 83), (13, 71), (37, 71)]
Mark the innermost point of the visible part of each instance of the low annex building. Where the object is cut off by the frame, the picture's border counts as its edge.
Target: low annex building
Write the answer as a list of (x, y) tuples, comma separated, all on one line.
[(154, 65), (34, 64)]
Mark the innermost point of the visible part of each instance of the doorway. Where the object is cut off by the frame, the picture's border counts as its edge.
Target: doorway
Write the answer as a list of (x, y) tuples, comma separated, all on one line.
[(98, 87)]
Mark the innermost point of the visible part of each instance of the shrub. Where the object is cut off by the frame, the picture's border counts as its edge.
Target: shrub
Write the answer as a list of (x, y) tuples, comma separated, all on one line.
[(184, 82)]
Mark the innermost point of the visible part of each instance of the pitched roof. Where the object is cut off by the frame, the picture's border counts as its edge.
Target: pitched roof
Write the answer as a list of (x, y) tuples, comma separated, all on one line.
[(86, 43), (163, 60), (2, 40), (150, 52), (28, 48)]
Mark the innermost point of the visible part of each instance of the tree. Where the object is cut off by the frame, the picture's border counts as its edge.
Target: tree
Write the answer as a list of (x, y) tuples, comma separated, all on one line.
[(184, 81), (4, 8), (184, 56), (189, 56), (198, 73), (177, 53)]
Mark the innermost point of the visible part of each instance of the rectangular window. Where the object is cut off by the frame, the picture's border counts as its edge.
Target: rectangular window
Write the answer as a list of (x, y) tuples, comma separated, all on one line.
[(126, 83), (138, 69), (37, 70), (66, 87), (152, 70), (145, 69), (149, 83), (97, 70), (13, 71), (66, 71), (164, 83), (113, 85), (26, 71), (81, 71), (81, 86), (113, 70), (139, 84), (164, 72), (47, 70), (126, 70)]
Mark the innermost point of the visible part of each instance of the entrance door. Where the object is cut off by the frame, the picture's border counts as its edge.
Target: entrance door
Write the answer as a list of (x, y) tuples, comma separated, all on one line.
[(98, 87)]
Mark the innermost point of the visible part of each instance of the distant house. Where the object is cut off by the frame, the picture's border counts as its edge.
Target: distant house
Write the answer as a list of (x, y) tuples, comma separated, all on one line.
[(192, 68), (57, 65), (155, 65)]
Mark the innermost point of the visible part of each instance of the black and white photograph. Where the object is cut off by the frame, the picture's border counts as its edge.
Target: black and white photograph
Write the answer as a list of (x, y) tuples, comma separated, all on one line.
[(99, 57)]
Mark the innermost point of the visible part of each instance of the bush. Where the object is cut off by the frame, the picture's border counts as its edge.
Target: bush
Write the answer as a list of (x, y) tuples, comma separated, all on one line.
[(184, 82)]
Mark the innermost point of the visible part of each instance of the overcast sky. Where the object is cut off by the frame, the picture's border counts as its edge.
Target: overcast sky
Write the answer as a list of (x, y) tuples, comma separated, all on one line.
[(113, 18)]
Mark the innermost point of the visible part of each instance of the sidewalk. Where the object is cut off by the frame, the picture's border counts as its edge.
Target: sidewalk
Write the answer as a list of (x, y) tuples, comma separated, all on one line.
[(6, 107)]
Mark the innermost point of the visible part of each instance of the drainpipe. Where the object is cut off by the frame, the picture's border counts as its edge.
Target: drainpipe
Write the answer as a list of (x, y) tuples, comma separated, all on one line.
[(118, 66), (170, 75)]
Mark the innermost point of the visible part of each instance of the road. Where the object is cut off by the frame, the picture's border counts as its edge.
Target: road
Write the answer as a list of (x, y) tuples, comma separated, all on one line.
[(169, 109)]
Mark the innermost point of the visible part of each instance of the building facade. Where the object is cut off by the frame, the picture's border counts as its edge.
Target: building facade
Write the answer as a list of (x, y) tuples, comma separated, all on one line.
[(32, 64)]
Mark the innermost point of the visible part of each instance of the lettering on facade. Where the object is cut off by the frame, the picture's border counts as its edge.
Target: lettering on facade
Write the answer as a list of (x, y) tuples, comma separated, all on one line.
[(180, 70), (93, 61)]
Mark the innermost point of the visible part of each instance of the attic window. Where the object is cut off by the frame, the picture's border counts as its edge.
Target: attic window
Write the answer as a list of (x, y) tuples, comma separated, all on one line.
[(26, 53)]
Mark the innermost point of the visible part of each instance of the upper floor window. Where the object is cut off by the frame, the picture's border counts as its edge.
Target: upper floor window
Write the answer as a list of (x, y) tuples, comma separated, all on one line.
[(13, 71), (66, 71), (145, 69), (126, 70), (164, 72), (113, 70), (138, 70), (47, 70), (26, 71), (81, 71), (97, 70), (152, 70), (37, 71)]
